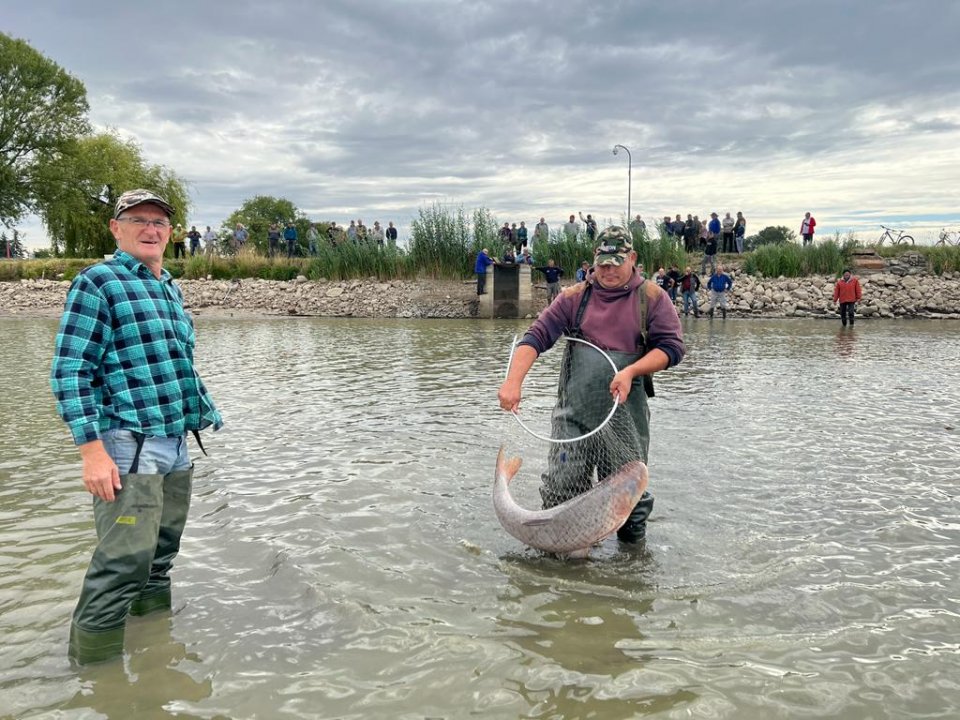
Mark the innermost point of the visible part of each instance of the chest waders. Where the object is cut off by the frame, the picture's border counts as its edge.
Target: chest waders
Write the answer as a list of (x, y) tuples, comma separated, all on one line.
[(138, 538), (582, 405)]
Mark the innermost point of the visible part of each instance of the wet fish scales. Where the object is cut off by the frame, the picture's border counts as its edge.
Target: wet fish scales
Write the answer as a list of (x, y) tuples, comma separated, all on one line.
[(572, 527)]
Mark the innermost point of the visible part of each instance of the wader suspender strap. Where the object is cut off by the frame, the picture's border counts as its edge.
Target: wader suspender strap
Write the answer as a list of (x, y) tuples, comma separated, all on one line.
[(642, 302), (642, 314), (575, 330), (135, 465), (140, 437)]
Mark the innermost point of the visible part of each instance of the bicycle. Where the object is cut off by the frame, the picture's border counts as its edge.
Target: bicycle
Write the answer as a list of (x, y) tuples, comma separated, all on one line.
[(945, 238), (898, 239)]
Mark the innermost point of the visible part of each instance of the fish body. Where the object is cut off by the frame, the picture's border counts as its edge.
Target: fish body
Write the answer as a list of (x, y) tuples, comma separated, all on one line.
[(572, 527)]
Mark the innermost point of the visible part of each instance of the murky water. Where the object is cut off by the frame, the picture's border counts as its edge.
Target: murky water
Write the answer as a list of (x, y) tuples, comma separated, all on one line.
[(343, 560)]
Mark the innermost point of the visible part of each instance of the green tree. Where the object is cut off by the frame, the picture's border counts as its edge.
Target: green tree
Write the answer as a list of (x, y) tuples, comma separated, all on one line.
[(261, 211), (79, 191), (43, 109), (770, 235)]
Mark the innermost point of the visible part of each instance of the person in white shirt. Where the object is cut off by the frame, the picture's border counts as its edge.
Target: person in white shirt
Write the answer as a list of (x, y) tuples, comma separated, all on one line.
[(727, 224), (209, 242)]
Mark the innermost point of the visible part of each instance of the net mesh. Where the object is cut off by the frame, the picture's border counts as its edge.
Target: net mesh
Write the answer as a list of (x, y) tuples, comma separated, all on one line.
[(571, 433)]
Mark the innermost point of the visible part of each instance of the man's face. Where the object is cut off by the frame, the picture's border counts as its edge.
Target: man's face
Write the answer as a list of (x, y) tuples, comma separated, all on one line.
[(612, 276), (144, 242)]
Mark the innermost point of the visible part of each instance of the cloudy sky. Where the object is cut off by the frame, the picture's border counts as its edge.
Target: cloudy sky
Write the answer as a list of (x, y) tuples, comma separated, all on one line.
[(374, 108)]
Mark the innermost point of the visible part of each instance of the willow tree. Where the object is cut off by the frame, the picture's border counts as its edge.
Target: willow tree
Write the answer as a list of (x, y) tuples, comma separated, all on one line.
[(79, 192), (43, 109)]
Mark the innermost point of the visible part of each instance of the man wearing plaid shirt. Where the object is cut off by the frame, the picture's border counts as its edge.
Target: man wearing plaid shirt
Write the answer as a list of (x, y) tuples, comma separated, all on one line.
[(126, 387)]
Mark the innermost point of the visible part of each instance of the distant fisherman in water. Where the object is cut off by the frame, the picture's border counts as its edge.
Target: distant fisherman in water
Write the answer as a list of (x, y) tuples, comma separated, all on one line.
[(847, 294), (635, 322), (125, 384)]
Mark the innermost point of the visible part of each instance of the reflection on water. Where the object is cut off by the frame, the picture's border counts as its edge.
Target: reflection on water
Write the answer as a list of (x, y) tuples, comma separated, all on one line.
[(153, 682), (343, 561)]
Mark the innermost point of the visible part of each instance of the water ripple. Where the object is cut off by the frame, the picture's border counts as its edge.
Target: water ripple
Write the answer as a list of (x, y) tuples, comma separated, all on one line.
[(342, 558)]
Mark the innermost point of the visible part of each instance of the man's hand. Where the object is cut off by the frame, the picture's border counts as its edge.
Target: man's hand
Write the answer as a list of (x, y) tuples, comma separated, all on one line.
[(509, 396), (101, 476), (621, 384)]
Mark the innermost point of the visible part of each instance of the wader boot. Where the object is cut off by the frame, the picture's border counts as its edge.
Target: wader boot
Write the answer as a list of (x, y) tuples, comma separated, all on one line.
[(155, 595), (127, 530), (723, 312), (635, 528)]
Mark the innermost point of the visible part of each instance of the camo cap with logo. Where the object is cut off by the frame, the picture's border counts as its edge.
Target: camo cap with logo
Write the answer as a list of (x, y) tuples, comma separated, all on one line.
[(132, 198), (615, 244)]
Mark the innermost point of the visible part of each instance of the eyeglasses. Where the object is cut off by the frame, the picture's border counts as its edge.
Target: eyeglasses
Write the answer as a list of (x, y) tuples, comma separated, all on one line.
[(144, 222)]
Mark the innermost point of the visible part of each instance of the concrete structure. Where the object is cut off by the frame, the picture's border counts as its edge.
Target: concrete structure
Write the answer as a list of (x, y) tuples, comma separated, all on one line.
[(509, 292)]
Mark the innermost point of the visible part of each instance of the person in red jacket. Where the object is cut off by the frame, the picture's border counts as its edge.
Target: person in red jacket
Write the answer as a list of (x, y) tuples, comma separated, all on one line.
[(807, 226), (847, 292)]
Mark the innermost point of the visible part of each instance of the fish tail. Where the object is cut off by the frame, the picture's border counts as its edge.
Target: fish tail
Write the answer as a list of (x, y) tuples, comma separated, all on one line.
[(507, 467)]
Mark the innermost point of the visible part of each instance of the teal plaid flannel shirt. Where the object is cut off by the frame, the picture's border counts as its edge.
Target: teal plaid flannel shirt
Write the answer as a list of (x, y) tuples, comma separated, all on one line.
[(124, 356)]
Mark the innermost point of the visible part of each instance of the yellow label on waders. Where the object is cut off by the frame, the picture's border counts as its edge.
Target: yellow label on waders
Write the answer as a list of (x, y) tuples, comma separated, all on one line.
[(127, 520)]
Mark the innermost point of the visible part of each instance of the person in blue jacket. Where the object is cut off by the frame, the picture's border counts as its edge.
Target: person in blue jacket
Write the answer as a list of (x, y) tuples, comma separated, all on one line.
[(552, 273), (291, 236), (480, 268), (718, 285)]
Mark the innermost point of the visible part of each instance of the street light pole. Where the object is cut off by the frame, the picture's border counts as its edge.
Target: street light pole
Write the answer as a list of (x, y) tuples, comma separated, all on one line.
[(629, 176)]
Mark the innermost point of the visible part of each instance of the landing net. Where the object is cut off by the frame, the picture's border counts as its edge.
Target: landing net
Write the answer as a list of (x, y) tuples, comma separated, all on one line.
[(570, 431)]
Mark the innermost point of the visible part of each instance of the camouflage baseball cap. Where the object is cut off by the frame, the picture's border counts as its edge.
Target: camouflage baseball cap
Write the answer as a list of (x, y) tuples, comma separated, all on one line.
[(132, 198), (615, 244)]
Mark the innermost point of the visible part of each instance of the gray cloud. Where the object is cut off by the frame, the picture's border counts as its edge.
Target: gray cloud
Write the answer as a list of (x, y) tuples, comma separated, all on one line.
[(343, 106)]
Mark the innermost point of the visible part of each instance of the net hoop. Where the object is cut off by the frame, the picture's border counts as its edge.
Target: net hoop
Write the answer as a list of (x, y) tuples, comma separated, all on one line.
[(598, 428)]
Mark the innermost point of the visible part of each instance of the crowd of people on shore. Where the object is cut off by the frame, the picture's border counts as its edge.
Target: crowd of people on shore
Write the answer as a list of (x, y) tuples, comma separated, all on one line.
[(695, 234), (285, 240), (727, 233), (713, 235)]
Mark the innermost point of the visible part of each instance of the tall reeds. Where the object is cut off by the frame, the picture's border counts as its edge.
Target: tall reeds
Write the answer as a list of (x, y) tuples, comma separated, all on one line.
[(440, 242), (792, 260)]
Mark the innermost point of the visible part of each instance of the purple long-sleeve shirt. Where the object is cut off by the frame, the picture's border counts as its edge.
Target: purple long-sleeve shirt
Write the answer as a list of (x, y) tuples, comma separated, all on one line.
[(611, 320)]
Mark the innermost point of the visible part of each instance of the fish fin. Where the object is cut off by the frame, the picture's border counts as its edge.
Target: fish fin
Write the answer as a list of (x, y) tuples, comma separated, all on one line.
[(579, 554), (536, 522)]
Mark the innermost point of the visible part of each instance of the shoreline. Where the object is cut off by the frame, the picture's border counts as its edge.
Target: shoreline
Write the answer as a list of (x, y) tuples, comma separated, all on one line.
[(885, 295)]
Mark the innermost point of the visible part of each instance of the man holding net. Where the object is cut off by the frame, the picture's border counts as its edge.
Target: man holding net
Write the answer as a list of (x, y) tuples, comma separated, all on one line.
[(635, 324)]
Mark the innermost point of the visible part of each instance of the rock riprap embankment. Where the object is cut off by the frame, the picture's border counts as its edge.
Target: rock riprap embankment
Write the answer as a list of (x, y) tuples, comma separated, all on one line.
[(885, 294)]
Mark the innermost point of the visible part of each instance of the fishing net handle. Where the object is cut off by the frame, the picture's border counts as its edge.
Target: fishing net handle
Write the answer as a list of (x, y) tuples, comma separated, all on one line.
[(598, 428)]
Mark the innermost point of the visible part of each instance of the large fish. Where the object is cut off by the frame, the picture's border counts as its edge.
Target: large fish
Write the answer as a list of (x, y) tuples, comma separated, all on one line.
[(573, 527)]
